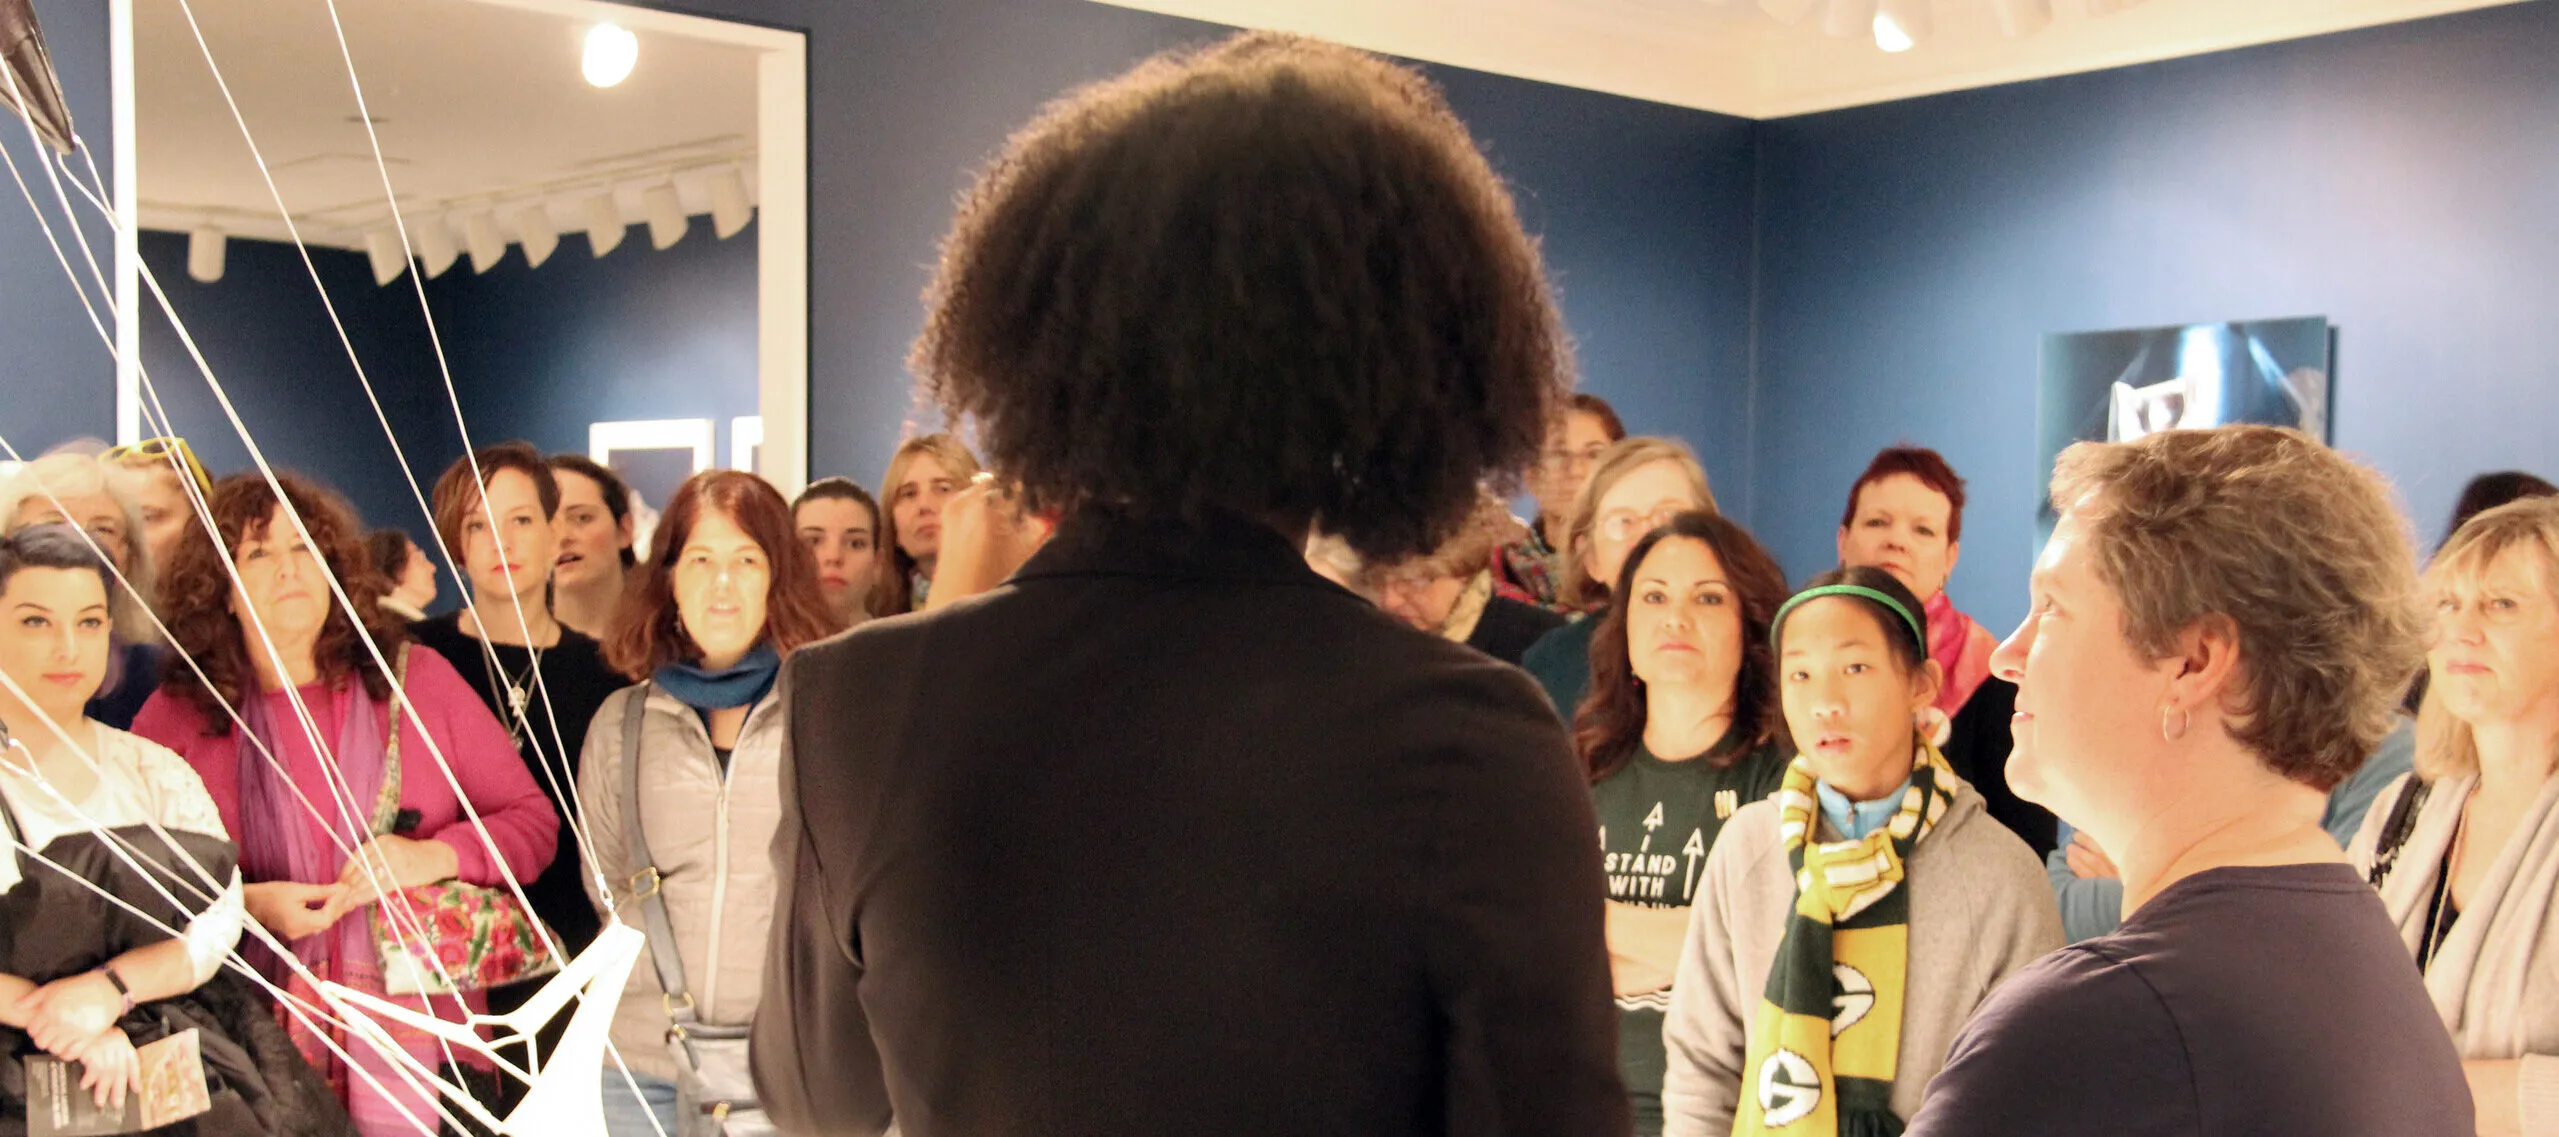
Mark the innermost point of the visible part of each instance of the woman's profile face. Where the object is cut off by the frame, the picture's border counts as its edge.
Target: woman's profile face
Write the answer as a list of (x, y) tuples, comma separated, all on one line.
[(2494, 655), (53, 638), (2087, 724), (721, 580)]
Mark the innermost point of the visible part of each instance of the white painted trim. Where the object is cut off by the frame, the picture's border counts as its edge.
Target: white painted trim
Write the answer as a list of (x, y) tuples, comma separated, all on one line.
[(662, 22), (695, 434), (746, 433), (128, 247), (782, 264)]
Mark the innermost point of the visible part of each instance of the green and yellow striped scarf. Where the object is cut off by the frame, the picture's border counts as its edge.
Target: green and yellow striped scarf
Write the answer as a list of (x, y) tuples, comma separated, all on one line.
[(1828, 1039)]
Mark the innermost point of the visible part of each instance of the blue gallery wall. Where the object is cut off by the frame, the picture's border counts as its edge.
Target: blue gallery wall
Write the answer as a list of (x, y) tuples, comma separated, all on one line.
[(2398, 180), (1643, 208), (57, 379)]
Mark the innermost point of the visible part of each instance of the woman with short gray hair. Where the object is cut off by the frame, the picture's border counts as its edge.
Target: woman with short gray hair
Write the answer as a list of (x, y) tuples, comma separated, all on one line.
[(2221, 625)]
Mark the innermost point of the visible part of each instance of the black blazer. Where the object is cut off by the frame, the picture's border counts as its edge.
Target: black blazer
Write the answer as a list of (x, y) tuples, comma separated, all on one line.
[(1170, 835)]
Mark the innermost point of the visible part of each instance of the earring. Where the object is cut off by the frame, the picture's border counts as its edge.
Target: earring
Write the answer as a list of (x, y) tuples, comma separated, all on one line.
[(2184, 721)]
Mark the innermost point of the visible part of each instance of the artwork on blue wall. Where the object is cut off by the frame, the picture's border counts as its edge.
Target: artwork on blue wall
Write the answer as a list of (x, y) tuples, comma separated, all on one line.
[(2116, 386)]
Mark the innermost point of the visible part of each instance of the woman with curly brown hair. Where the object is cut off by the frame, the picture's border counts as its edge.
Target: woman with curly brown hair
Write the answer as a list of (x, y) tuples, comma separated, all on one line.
[(276, 645), (1110, 847), (1679, 731)]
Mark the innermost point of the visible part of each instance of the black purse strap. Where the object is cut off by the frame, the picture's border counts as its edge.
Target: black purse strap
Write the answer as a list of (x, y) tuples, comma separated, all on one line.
[(2396, 828)]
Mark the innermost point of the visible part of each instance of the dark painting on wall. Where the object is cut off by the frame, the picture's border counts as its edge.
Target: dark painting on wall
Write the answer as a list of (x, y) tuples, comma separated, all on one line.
[(2120, 385)]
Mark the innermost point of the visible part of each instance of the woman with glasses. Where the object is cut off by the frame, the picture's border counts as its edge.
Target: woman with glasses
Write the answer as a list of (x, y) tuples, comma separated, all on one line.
[(1530, 568), (1638, 484), (1450, 592)]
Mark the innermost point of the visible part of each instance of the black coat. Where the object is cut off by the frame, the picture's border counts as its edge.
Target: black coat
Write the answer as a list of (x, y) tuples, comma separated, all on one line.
[(1977, 746), (1172, 836)]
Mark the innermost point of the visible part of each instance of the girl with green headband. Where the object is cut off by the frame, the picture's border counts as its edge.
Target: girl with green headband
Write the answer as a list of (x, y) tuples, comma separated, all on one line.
[(1862, 912)]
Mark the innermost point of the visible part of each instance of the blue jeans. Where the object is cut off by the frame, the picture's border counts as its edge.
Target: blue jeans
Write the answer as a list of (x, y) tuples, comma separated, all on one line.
[(626, 1116)]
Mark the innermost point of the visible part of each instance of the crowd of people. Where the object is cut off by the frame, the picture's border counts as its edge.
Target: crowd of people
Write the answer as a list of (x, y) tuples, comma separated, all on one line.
[(1195, 774)]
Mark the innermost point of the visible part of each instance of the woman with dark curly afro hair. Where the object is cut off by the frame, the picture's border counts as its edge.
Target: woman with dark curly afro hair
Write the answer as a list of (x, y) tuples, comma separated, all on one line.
[(1169, 834)]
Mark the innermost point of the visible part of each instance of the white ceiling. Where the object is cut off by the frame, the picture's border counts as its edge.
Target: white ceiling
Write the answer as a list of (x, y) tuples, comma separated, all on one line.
[(1733, 56), (479, 105)]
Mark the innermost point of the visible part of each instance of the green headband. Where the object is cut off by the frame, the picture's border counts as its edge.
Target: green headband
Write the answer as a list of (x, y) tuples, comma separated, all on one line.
[(1918, 629)]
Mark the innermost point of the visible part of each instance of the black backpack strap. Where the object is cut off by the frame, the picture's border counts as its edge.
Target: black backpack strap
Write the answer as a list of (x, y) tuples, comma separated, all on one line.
[(2396, 828)]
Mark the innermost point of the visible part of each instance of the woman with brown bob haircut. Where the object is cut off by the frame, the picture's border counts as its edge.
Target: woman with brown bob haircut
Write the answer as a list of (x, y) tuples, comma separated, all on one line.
[(302, 884), (693, 751), (1132, 802)]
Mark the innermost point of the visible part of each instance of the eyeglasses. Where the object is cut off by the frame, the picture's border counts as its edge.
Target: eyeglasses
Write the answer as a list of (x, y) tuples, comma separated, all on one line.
[(1566, 461), (1626, 524), (155, 449)]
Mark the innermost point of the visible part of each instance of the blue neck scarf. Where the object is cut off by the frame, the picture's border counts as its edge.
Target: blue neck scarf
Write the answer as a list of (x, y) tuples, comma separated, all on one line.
[(738, 685)]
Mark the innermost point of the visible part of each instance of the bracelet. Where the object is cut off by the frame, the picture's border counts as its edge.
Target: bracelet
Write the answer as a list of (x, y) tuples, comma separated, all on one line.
[(117, 981)]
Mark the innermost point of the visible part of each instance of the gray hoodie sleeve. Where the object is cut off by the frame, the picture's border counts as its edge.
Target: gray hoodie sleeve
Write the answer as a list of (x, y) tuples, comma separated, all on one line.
[(1707, 1031)]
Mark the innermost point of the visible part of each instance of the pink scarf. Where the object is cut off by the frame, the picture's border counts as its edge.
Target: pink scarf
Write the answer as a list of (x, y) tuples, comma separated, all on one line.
[(1962, 648)]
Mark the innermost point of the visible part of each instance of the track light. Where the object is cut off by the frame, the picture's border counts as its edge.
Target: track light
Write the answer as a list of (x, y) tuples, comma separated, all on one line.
[(382, 247), (666, 215), (729, 210), (1787, 11), (205, 249), (2021, 17), (1848, 18), (487, 246), (436, 250), (1901, 24), (533, 226), (604, 224)]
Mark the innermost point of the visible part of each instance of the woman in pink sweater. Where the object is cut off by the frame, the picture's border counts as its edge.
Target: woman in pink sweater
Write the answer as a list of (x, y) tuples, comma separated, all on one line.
[(279, 639)]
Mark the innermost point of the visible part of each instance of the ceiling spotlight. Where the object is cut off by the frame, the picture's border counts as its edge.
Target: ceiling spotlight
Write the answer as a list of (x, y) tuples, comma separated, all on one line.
[(382, 247), (488, 247), (540, 236), (1787, 11), (604, 224), (205, 249), (729, 209), (666, 215), (610, 54), (1901, 24), (1848, 18), (2109, 7), (436, 250), (2021, 17)]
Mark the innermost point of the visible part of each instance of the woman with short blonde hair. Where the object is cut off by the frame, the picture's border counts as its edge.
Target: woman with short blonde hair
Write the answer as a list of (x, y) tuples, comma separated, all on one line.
[(2221, 625), (2466, 850)]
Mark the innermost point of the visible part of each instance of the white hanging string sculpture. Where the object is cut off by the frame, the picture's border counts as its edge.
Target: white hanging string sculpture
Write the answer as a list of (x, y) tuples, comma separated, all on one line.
[(564, 1094)]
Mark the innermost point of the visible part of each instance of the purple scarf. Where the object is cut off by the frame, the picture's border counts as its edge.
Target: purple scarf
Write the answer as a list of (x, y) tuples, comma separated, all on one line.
[(278, 840)]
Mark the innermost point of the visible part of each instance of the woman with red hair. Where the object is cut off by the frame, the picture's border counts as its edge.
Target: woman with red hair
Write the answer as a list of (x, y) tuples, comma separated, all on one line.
[(680, 777)]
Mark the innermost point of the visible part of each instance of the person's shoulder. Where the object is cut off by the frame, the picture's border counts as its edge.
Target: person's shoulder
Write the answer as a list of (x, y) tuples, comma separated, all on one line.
[(431, 679), (1747, 840), (170, 721), (1992, 853), (1570, 638), (2072, 1004), (2073, 1042)]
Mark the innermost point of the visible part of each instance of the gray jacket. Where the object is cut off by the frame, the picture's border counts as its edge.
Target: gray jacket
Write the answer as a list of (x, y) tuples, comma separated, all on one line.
[(711, 840), (1980, 909)]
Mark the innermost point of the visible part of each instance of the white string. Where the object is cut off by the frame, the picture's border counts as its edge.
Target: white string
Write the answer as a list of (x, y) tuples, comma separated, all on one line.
[(568, 793)]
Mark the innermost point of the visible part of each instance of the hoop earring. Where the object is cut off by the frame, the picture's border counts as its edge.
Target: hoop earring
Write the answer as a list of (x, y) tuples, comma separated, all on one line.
[(2185, 721)]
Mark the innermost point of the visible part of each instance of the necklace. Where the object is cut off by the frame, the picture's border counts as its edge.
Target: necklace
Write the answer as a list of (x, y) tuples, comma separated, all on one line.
[(517, 687)]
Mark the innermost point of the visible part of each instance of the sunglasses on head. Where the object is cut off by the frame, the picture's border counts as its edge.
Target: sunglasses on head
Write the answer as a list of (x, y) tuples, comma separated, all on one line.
[(163, 448)]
